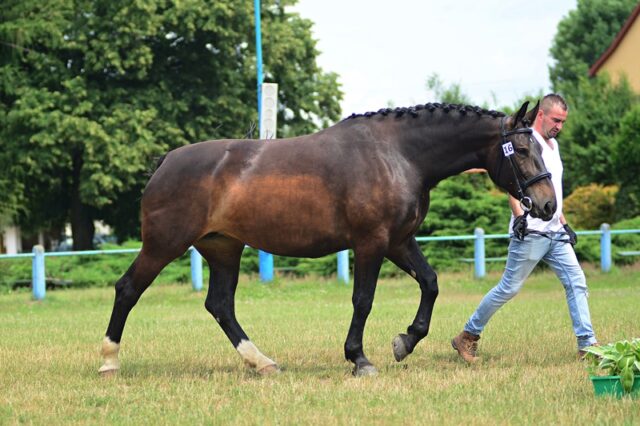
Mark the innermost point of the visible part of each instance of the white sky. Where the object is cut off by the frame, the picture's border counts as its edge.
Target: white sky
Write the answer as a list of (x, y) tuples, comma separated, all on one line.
[(384, 50)]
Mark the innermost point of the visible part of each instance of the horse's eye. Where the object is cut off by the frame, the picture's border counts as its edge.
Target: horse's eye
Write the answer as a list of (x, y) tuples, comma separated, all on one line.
[(522, 151)]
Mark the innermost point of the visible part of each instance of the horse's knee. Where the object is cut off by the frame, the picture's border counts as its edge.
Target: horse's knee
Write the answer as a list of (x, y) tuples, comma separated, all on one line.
[(429, 286), (218, 309), (211, 307), (431, 291), (362, 304), (126, 294)]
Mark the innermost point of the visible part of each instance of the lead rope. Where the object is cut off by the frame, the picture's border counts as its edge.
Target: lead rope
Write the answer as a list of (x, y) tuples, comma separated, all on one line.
[(562, 234)]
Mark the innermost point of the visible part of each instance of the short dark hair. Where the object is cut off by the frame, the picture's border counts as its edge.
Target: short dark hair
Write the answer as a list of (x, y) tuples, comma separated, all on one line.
[(553, 99)]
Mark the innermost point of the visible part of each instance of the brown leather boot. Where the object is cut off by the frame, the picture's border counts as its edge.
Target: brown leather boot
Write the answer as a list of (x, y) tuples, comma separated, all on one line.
[(582, 353), (467, 345)]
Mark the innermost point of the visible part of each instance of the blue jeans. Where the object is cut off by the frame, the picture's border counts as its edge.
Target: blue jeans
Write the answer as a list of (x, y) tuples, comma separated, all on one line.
[(522, 258)]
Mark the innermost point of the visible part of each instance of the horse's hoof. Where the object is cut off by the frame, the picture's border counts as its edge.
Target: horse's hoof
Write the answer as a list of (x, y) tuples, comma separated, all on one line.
[(400, 351), (365, 371), (269, 370), (107, 373)]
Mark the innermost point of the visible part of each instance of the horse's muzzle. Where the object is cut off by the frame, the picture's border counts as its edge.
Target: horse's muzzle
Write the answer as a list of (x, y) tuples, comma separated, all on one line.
[(545, 212)]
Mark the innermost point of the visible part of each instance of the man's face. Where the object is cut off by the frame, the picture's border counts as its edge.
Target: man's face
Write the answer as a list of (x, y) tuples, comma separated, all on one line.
[(550, 123)]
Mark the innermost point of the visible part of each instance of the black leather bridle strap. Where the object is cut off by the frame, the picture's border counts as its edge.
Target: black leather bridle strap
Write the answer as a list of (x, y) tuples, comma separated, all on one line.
[(521, 181)]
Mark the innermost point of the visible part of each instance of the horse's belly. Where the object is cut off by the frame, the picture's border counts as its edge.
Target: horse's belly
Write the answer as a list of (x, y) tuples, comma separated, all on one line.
[(292, 216)]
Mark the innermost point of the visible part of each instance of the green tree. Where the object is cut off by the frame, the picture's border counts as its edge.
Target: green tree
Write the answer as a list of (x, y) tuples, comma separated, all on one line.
[(626, 164), (595, 104), (450, 95), (92, 90), (586, 143), (582, 37)]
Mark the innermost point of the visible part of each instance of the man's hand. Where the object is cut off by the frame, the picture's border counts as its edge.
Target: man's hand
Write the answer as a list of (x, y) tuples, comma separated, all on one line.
[(520, 227), (573, 237)]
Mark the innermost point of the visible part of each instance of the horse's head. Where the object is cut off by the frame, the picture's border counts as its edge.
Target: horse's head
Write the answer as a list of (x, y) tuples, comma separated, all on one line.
[(517, 164)]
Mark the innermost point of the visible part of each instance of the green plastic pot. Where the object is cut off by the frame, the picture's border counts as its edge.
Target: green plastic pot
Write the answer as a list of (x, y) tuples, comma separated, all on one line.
[(611, 386)]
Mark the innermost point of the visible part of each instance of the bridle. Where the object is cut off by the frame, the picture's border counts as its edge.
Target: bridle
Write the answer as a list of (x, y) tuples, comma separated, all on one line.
[(507, 148)]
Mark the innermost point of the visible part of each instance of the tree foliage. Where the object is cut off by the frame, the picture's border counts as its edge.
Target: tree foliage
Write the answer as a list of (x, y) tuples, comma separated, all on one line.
[(91, 91), (582, 37), (626, 164), (595, 104), (452, 94), (595, 110)]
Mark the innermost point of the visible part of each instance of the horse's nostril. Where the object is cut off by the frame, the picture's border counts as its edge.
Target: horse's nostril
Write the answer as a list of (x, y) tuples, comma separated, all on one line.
[(549, 209)]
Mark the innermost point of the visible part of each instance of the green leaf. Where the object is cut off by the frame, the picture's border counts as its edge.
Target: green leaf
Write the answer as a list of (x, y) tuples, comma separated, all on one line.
[(626, 379)]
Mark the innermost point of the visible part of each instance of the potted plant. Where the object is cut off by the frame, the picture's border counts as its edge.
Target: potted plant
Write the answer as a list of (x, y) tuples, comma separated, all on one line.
[(614, 369)]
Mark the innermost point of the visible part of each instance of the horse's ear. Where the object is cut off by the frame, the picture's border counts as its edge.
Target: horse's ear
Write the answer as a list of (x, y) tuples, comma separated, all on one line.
[(530, 117), (518, 116)]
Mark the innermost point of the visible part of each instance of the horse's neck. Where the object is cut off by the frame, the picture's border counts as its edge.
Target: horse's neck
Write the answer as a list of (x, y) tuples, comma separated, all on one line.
[(447, 148)]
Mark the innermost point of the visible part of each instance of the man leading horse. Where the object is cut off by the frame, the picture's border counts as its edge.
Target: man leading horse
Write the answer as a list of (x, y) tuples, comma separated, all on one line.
[(533, 240)]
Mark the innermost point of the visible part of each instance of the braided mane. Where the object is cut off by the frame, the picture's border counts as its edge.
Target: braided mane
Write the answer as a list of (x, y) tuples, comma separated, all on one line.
[(430, 107)]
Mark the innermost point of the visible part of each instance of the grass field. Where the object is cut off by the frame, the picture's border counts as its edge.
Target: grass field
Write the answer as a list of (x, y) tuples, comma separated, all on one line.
[(179, 368)]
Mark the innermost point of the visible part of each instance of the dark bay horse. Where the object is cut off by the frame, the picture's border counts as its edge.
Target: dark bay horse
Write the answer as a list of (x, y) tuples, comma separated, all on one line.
[(362, 184)]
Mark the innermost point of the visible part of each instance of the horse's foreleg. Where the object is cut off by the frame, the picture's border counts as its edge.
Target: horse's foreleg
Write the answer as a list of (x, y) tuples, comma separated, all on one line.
[(223, 256), (129, 288), (366, 270), (409, 258)]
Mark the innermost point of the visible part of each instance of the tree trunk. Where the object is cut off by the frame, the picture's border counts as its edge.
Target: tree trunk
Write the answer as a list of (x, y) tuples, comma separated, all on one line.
[(82, 228)]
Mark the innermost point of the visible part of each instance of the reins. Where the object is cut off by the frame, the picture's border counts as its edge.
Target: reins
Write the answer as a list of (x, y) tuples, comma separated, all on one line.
[(546, 234)]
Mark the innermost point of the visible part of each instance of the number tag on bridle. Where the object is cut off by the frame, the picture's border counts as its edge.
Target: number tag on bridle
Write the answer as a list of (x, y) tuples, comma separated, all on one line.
[(507, 148)]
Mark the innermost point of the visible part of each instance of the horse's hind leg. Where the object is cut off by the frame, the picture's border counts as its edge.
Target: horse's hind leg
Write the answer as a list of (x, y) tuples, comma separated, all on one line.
[(129, 288), (366, 269), (409, 258), (223, 256)]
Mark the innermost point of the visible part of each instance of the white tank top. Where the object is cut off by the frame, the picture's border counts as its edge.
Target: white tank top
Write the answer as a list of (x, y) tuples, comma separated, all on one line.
[(553, 163)]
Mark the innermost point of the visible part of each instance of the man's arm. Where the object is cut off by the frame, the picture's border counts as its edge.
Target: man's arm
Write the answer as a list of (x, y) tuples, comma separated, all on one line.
[(573, 237), (520, 223), (515, 206)]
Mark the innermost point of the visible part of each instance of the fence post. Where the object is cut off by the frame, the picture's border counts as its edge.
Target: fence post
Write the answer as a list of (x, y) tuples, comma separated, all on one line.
[(479, 258), (343, 266), (196, 269), (268, 120), (266, 266), (38, 284), (605, 247)]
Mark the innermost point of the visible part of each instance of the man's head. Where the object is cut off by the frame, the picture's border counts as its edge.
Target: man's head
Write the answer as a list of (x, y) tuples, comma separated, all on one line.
[(551, 116)]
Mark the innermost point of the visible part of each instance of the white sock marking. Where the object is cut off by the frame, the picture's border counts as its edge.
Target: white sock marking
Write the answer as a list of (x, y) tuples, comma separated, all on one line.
[(252, 356), (109, 353)]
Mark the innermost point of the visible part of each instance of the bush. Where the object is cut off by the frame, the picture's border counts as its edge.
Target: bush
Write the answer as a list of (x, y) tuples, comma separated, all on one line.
[(458, 206), (590, 206)]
